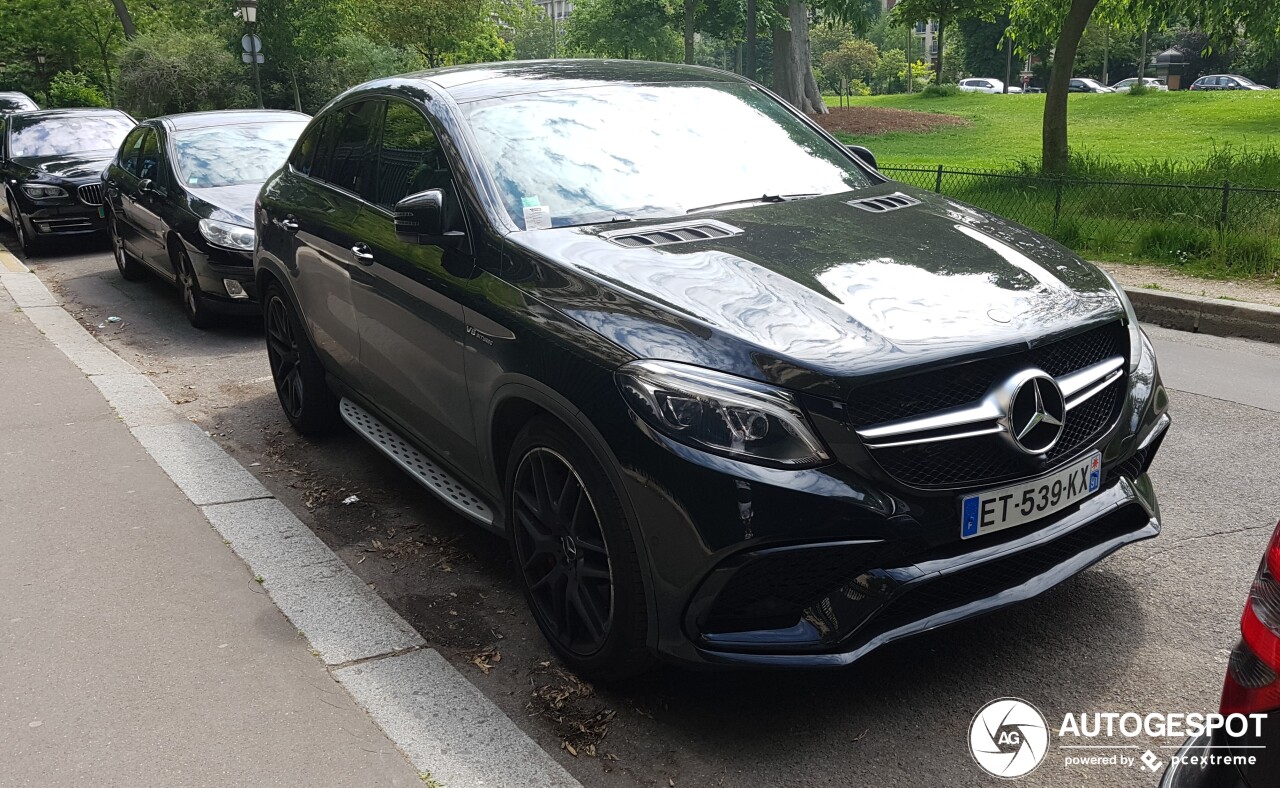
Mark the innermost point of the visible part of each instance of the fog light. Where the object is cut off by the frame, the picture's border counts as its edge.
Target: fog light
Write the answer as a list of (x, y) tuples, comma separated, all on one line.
[(234, 288)]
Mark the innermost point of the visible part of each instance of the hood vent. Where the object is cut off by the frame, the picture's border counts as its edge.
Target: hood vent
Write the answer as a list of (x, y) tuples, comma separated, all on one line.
[(665, 234), (888, 202)]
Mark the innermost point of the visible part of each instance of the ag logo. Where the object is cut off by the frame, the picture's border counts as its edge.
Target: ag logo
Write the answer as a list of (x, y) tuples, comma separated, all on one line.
[(1008, 738)]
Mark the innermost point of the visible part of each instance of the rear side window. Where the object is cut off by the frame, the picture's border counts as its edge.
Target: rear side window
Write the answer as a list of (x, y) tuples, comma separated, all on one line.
[(304, 156), (128, 156), (349, 160), (410, 160)]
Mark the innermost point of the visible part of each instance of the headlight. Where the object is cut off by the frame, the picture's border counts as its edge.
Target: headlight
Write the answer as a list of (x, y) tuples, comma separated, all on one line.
[(38, 192), (231, 236), (1131, 319), (720, 413)]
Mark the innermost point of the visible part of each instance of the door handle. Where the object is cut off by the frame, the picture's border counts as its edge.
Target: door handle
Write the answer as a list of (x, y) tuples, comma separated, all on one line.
[(363, 254), (288, 224)]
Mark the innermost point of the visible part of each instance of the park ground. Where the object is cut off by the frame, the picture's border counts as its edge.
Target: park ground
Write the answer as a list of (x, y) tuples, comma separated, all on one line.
[(1129, 132)]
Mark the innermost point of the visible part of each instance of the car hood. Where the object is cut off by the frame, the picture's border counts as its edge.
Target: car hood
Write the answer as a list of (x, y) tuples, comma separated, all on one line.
[(818, 294), (226, 203), (71, 167)]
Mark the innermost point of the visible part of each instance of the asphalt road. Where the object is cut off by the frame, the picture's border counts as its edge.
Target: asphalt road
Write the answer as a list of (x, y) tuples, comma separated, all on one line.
[(1147, 630)]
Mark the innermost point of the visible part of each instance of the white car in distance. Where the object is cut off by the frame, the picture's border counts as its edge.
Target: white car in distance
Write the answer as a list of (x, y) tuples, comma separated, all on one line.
[(985, 85)]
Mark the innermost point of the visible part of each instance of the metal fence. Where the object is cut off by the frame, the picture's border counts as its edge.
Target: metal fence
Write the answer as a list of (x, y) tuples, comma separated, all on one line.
[(1225, 226)]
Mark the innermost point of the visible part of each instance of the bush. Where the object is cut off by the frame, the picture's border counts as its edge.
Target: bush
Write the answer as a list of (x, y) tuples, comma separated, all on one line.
[(167, 71), (73, 89), (353, 59), (940, 91)]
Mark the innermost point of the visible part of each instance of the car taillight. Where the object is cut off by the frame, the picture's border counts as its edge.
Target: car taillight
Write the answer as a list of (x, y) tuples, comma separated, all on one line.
[(1253, 672)]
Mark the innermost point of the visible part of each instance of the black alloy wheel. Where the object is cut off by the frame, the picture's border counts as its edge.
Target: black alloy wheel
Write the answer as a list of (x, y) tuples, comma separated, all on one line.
[(28, 244), (130, 268), (194, 303), (574, 553), (298, 374), (563, 555)]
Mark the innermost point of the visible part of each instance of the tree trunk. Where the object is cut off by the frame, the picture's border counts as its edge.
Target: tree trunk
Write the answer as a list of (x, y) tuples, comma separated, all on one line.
[(126, 20), (1142, 56), (752, 35), (689, 7), (937, 77), (297, 97), (1054, 158), (792, 68)]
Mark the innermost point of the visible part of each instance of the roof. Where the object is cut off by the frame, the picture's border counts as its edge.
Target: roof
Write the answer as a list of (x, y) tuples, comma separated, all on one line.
[(493, 80), (228, 117)]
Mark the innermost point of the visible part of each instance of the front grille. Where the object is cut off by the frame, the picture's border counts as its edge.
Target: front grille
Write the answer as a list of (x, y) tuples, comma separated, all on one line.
[(91, 194), (987, 459), (986, 580), (938, 389)]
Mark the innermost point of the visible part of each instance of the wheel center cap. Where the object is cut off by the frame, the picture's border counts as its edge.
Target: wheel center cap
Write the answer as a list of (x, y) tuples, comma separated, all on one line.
[(569, 547)]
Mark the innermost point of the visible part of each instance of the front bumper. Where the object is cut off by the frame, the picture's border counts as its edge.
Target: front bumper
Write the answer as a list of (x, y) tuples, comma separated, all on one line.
[(817, 568), (214, 267), (47, 221)]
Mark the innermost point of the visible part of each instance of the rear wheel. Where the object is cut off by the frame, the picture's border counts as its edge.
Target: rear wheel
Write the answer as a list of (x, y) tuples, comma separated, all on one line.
[(130, 268), (296, 369), (194, 302), (574, 554)]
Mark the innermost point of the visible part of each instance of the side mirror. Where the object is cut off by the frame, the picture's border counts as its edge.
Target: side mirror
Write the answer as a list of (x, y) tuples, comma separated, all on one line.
[(868, 158), (420, 219), (146, 186)]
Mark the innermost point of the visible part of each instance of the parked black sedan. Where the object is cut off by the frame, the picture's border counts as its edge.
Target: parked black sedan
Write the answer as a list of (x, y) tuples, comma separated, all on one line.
[(51, 170), (180, 194), (732, 396), (1244, 752)]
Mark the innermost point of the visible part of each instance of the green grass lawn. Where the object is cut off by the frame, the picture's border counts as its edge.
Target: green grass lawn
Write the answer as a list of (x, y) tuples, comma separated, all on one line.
[(1180, 126)]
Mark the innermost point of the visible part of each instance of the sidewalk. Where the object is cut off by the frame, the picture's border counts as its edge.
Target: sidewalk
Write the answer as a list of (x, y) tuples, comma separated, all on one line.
[(137, 649)]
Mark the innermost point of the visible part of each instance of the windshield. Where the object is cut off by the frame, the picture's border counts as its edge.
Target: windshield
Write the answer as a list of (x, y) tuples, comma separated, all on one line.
[(67, 134), (232, 155), (598, 154)]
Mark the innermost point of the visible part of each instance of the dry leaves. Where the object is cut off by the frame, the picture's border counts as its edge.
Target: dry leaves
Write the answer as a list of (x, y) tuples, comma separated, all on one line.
[(561, 697), (485, 660)]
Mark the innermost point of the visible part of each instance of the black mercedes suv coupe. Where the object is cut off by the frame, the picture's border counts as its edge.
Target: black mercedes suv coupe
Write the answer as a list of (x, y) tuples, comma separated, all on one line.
[(732, 396)]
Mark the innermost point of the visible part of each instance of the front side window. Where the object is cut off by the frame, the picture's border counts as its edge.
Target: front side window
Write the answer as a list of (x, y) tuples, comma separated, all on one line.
[(350, 158), (67, 135), (149, 157), (304, 155), (410, 160), (594, 154), (233, 155)]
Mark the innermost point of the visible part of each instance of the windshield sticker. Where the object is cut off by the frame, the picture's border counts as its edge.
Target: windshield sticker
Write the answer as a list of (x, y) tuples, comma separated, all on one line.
[(537, 217)]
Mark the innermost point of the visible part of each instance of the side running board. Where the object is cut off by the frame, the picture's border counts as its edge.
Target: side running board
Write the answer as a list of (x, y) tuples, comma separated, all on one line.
[(415, 463)]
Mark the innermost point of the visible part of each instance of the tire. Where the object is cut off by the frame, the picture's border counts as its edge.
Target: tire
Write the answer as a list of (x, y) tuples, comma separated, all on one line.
[(130, 269), (194, 303), (295, 367), (574, 555), (29, 243)]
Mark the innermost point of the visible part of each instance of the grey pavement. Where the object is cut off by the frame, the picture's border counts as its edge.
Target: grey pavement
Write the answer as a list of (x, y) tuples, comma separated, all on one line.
[(135, 647)]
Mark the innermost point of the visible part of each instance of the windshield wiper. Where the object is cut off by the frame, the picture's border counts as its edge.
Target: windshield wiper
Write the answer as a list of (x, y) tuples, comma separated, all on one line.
[(613, 220), (761, 200)]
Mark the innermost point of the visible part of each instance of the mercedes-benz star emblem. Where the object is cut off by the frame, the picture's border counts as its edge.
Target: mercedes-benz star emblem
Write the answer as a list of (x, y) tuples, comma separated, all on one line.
[(1036, 413)]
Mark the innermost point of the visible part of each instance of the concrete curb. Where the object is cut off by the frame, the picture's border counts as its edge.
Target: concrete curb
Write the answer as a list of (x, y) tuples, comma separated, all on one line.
[(1197, 314), (444, 725)]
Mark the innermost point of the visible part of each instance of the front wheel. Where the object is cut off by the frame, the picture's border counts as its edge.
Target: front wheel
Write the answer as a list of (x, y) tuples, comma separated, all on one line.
[(29, 244), (296, 369), (194, 302), (574, 554)]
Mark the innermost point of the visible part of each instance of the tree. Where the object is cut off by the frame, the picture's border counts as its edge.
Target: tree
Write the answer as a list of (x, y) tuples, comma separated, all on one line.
[(433, 28), (890, 75), (624, 28), (72, 89), (126, 19), (910, 12), (1037, 22), (165, 71), (855, 59), (793, 77)]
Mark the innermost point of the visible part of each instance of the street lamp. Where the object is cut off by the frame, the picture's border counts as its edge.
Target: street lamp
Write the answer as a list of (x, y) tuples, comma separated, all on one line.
[(40, 56), (248, 11)]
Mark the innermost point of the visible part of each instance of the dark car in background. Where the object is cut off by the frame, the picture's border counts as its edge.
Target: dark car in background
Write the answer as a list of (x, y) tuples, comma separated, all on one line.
[(1087, 85), (180, 194), (1226, 82), (1244, 755), (727, 408), (51, 165), (13, 101)]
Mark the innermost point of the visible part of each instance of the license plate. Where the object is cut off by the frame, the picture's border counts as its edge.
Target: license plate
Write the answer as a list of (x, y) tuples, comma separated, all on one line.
[(995, 510)]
